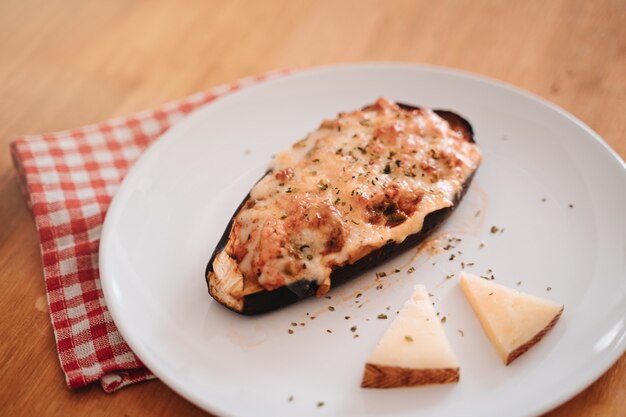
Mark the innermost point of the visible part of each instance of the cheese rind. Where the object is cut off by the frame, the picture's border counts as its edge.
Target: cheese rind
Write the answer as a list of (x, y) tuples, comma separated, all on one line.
[(380, 376), (513, 321), (414, 350)]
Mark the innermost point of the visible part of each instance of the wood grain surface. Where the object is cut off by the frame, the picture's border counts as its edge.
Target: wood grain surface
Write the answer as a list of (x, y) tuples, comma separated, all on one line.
[(66, 63)]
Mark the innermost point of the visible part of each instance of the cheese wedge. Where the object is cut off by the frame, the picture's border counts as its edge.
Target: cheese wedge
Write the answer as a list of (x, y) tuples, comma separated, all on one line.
[(513, 321), (414, 349)]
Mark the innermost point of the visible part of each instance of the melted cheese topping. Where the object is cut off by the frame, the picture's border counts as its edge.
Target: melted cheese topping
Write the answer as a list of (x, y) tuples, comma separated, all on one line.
[(510, 318), (359, 181), (415, 339)]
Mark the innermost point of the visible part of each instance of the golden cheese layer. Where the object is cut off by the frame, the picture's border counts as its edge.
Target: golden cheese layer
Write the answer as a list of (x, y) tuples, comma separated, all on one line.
[(359, 181)]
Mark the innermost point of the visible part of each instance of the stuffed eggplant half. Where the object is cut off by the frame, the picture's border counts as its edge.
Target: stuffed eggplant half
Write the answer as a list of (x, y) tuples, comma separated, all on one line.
[(361, 188)]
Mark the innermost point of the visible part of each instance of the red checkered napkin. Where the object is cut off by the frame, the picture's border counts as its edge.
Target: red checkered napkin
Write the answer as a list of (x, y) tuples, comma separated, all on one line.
[(69, 179)]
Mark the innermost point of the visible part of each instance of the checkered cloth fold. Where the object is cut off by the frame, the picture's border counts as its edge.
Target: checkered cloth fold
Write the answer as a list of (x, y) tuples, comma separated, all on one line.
[(69, 179)]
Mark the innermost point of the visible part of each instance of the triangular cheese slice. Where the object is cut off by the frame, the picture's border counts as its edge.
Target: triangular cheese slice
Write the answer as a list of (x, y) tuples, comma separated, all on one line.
[(414, 349), (513, 321)]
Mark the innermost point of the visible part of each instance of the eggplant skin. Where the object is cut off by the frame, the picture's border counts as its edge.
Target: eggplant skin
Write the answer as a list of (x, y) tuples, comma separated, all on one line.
[(264, 301)]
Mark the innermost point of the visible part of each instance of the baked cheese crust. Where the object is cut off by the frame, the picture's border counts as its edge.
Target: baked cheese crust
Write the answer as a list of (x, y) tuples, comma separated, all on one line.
[(361, 180)]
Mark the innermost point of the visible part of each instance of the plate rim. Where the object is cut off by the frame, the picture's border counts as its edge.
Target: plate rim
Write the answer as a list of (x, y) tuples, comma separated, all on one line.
[(541, 406)]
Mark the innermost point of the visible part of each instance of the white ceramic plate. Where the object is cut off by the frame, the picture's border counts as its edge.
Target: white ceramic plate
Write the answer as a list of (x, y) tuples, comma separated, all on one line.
[(175, 203)]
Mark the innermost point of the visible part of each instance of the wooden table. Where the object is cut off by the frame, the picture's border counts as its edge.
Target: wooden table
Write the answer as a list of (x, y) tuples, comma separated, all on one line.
[(66, 63)]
